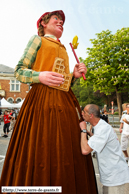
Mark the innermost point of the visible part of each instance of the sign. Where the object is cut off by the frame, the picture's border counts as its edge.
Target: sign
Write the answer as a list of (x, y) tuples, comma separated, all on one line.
[(2, 93)]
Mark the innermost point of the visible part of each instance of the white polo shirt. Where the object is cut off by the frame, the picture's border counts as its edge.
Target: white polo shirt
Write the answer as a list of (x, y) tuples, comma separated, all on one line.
[(125, 125), (111, 162)]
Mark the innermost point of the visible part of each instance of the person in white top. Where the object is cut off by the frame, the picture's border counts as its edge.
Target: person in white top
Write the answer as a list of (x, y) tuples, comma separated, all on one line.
[(114, 171), (125, 133)]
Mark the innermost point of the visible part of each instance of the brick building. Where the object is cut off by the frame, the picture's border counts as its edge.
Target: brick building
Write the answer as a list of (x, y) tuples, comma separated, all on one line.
[(11, 89)]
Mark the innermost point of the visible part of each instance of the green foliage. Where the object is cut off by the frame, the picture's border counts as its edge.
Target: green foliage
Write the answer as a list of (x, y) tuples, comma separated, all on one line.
[(108, 62), (76, 89), (86, 95), (116, 113)]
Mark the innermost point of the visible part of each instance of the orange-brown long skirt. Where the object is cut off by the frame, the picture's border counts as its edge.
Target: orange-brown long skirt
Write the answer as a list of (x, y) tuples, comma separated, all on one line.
[(44, 149)]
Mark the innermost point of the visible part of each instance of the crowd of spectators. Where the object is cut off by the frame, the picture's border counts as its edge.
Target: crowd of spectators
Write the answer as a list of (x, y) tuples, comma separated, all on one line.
[(9, 118)]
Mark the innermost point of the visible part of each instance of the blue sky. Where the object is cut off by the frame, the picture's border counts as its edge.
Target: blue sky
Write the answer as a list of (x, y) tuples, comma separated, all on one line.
[(84, 18)]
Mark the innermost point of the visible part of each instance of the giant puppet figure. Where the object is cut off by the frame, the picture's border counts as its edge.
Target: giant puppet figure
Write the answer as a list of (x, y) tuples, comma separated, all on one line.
[(44, 149)]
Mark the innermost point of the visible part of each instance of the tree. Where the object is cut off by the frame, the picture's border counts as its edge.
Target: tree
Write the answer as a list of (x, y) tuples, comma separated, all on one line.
[(108, 63), (86, 95)]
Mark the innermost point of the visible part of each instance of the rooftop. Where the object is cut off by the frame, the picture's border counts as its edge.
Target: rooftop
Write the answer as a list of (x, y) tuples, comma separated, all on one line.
[(6, 69)]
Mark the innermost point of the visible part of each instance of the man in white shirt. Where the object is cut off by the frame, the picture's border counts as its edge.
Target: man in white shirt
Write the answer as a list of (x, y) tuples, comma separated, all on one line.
[(114, 171), (125, 133)]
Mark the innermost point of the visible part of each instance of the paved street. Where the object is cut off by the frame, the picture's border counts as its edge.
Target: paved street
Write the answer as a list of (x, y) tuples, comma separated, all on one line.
[(4, 144)]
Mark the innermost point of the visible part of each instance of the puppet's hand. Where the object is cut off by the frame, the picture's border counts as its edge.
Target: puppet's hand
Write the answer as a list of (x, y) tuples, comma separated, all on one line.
[(50, 78), (79, 69)]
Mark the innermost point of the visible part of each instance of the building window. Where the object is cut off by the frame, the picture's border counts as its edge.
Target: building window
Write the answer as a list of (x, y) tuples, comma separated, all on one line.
[(14, 86), (10, 100), (18, 100)]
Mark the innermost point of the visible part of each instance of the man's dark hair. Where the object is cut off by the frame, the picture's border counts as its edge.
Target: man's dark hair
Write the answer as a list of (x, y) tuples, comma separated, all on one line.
[(94, 109)]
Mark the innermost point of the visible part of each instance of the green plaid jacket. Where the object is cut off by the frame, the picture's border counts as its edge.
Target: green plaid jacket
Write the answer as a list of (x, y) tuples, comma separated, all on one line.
[(23, 71)]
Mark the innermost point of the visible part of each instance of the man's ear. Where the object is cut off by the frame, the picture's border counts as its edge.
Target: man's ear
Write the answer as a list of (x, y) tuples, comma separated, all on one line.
[(43, 24), (91, 115)]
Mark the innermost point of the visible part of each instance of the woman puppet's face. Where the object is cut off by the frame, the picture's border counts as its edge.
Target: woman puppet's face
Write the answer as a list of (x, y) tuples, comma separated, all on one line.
[(54, 26)]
